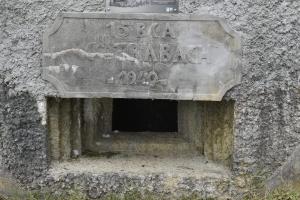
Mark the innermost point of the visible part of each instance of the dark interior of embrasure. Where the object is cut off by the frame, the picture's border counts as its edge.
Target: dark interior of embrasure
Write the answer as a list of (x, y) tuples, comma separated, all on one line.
[(144, 115)]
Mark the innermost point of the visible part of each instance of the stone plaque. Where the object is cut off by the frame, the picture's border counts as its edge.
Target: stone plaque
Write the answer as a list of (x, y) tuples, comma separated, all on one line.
[(157, 56)]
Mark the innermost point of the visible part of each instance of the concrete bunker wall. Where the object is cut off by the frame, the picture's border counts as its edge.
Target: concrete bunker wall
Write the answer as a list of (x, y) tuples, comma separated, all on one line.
[(267, 115)]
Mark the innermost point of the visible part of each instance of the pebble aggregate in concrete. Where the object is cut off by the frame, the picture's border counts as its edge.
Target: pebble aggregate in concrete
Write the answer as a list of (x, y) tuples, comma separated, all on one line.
[(267, 111)]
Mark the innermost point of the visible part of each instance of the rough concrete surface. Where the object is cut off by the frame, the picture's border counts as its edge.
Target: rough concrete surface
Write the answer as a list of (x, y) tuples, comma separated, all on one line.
[(174, 176), (288, 174), (267, 111)]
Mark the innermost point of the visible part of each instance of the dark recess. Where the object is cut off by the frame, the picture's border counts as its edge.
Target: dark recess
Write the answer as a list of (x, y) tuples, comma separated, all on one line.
[(138, 115)]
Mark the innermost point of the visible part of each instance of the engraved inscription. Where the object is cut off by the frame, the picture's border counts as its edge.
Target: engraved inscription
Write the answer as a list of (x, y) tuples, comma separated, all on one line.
[(135, 78), (147, 56)]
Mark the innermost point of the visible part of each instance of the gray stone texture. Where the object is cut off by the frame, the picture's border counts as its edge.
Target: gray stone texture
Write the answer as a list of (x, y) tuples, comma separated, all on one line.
[(267, 111), (101, 185), (23, 138), (288, 174), (153, 56)]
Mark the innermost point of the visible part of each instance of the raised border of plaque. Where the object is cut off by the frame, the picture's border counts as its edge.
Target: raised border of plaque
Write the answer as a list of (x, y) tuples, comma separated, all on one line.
[(155, 56)]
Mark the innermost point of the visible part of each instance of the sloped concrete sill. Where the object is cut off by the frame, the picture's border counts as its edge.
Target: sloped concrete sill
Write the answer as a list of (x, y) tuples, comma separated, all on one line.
[(196, 167), (164, 176)]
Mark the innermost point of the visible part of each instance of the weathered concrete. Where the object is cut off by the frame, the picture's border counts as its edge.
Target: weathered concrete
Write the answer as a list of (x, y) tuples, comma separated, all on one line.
[(217, 128), (65, 128), (23, 137), (155, 56), (76, 127), (266, 110), (53, 128), (288, 175), (189, 123), (9, 187), (170, 177), (208, 126), (97, 114), (204, 128)]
